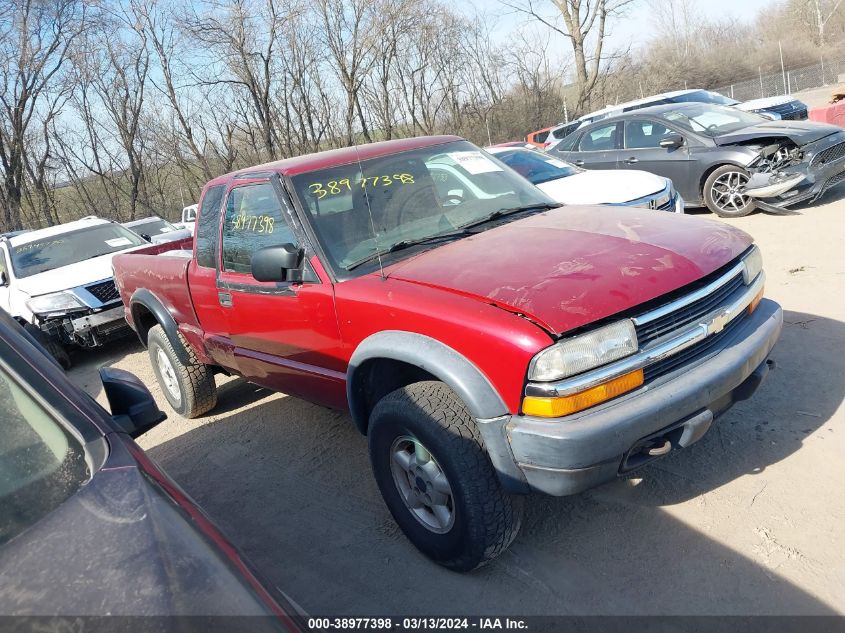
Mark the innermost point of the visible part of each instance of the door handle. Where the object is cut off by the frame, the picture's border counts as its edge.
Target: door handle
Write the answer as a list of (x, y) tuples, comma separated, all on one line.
[(578, 163), (225, 299), (631, 161)]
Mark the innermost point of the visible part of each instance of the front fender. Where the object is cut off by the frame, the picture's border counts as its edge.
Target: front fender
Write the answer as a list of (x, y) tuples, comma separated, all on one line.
[(436, 358)]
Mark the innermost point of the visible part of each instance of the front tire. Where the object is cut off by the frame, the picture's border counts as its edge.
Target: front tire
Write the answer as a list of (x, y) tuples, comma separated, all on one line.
[(53, 347), (724, 192), (430, 464), (189, 389)]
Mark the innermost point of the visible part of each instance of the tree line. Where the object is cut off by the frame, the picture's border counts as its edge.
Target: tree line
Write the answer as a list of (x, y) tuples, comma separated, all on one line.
[(125, 108)]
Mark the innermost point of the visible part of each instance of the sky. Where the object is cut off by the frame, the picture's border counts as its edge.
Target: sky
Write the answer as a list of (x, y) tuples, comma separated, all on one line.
[(634, 28)]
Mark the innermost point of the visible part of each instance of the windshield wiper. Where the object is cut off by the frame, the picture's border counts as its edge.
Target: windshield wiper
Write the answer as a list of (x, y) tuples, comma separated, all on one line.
[(510, 211), (398, 246)]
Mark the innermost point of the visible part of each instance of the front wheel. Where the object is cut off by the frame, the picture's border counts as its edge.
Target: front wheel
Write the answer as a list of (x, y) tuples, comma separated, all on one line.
[(189, 388), (724, 192), (429, 462)]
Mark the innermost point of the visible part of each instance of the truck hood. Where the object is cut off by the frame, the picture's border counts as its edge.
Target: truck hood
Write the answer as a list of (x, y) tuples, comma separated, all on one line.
[(603, 186), (799, 132), (571, 266), (72, 276)]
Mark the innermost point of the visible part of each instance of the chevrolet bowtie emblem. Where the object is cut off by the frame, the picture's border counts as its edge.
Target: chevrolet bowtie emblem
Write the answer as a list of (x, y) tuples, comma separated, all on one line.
[(719, 322)]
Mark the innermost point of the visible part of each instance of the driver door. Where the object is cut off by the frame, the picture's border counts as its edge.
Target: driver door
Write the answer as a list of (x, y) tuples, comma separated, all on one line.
[(284, 334)]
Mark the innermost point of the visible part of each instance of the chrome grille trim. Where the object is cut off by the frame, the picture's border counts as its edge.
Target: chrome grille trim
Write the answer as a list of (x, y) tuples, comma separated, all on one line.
[(707, 326), (691, 298)]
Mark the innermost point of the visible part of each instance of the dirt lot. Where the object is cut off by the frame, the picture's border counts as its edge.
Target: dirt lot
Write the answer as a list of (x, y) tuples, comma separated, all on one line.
[(748, 521)]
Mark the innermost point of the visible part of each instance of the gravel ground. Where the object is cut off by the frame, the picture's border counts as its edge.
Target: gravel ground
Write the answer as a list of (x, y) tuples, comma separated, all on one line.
[(748, 521)]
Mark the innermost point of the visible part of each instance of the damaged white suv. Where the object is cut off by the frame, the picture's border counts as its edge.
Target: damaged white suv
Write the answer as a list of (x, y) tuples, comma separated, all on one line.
[(58, 283)]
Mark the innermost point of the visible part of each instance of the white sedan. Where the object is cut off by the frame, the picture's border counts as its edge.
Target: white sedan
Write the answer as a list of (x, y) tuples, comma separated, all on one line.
[(568, 184)]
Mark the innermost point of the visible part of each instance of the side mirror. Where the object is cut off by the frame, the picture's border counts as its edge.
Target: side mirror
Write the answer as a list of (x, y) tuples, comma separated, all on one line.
[(133, 407), (4, 278), (146, 237), (277, 263), (672, 141)]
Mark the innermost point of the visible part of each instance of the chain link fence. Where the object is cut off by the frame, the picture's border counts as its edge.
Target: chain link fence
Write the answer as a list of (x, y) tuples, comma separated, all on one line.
[(826, 72)]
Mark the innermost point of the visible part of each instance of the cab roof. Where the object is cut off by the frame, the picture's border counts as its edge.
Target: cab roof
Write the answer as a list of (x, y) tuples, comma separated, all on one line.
[(334, 157)]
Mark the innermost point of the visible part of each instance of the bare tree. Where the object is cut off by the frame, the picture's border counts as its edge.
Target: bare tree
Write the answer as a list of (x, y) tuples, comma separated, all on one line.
[(35, 38), (585, 24)]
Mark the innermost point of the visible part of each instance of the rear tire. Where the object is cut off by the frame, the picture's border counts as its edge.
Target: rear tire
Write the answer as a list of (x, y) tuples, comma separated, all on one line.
[(723, 192), (430, 464), (189, 389)]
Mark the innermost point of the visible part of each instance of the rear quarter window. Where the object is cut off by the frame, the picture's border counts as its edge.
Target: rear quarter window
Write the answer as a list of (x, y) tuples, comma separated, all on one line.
[(208, 226)]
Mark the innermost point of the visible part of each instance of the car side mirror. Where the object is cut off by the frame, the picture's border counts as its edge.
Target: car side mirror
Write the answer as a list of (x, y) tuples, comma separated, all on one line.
[(277, 263), (133, 408), (672, 141), (4, 278)]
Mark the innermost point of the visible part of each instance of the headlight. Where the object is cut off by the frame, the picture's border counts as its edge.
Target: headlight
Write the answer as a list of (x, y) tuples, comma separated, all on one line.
[(55, 302), (753, 263), (587, 351)]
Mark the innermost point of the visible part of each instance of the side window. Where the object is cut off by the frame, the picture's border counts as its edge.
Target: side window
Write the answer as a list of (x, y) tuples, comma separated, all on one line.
[(208, 225), (254, 220), (642, 134), (599, 139), (41, 464), (568, 143)]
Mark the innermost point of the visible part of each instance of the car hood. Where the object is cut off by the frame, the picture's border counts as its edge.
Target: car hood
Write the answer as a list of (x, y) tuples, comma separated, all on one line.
[(603, 186), (571, 266), (765, 102), (72, 276), (799, 132)]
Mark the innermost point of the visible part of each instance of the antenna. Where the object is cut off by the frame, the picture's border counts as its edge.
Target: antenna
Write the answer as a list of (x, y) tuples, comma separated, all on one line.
[(369, 211)]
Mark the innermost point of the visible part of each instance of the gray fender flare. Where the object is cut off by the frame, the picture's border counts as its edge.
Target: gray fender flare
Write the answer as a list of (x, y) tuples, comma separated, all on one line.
[(438, 359), (145, 298), (463, 377)]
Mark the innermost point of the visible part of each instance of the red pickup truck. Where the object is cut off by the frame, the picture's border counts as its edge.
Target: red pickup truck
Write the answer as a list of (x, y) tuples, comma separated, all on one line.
[(486, 340)]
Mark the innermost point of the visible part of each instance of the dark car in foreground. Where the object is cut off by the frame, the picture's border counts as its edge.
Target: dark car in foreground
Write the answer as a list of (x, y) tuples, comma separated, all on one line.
[(723, 158), (89, 525)]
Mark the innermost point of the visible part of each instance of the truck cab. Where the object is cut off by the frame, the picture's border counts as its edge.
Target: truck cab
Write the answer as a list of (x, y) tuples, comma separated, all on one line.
[(488, 346)]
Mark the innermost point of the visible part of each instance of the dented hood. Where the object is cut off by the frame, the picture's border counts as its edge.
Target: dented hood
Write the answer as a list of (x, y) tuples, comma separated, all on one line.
[(570, 266), (799, 132)]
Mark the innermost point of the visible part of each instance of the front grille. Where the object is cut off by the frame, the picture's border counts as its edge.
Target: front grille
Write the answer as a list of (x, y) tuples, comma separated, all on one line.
[(787, 111), (691, 353), (829, 155), (666, 206), (834, 181), (105, 291), (651, 331), (795, 115)]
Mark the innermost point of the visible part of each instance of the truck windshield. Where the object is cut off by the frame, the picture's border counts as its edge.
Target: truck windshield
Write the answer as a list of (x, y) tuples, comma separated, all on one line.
[(63, 249), (370, 207)]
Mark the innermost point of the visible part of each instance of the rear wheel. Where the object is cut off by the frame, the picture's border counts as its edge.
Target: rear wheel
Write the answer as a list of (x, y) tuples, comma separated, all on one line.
[(430, 464), (724, 192), (189, 388)]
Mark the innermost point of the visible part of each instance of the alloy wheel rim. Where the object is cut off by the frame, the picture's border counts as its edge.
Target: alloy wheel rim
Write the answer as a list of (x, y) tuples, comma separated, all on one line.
[(422, 484), (728, 191), (168, 374)]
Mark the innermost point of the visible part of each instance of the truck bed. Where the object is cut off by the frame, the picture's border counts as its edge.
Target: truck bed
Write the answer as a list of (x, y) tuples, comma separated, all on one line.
[(161, 270)]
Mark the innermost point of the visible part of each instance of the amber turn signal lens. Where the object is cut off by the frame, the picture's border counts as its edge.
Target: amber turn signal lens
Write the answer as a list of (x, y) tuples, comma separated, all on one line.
[(755, 301), (565, 405)]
